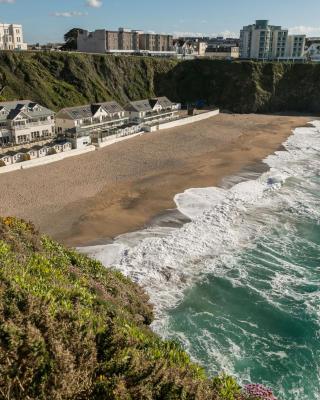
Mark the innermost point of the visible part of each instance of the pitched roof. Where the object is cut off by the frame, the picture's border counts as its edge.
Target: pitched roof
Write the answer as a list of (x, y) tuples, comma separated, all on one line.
[(111, 107), (140, 105), (89, 110), (163, 101), (148, 104), (28, 107)]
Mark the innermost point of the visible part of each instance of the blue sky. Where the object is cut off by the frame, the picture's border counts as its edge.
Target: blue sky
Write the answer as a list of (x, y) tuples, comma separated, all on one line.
[(48, 20)]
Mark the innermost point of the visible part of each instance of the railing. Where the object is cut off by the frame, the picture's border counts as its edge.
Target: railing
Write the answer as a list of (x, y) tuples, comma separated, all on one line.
[(104, 122), (31, 124)]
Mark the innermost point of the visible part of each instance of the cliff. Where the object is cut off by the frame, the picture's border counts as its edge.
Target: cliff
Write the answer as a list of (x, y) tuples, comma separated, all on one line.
[(61, 79), (72, 329)]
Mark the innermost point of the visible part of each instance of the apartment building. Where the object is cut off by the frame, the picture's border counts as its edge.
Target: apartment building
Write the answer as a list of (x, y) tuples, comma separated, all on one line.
[(262, 41), (123, 40), (151, 111), (78, 124), (11, 37), (24, 121)]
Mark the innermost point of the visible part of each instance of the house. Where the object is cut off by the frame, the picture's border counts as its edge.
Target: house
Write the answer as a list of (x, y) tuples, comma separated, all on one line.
[(150, 111), (24, 121), (79, 123)]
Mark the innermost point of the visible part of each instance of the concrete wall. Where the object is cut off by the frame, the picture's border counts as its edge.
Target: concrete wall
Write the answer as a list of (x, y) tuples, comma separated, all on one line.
[(183, 121), (45, 160)]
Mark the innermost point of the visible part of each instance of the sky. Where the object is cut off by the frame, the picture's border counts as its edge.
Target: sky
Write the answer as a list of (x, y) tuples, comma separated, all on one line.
[(47, 20)]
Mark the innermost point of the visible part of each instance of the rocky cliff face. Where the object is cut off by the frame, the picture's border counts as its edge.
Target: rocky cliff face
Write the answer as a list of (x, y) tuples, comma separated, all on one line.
[(59, 79)]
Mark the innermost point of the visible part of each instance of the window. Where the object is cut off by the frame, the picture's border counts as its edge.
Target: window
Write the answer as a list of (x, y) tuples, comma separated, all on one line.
[(18, 40)]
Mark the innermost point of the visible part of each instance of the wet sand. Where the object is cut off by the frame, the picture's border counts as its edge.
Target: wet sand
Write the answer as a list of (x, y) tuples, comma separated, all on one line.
[(97, 196)]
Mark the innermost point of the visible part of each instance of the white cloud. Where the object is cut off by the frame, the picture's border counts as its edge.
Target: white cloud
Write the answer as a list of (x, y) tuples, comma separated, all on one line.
[(94, 3), (7, 1), (68, 14), (225, 34), (305, 30)]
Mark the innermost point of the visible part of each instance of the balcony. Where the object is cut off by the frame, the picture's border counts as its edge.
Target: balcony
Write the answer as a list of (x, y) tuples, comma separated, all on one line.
[(105, 121), (31, 124)]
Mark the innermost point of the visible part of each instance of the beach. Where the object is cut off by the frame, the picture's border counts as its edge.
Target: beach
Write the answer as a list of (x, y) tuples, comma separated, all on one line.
[(94, 197)]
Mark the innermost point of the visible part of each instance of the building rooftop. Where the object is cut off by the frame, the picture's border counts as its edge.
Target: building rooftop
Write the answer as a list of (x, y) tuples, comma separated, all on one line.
[(148, 104), (27, 107), (89, 110)]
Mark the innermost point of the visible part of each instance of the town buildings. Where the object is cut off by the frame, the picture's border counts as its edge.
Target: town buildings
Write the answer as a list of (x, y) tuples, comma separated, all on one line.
[(11, 37), (262, 41), (124, 41), (25, 121)]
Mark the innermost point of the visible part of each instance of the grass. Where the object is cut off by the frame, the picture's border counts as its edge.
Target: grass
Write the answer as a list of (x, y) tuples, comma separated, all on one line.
[(72, 329)]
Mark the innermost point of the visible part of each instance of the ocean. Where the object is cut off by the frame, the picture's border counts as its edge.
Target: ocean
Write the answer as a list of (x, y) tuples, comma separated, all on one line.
[(239, 285)]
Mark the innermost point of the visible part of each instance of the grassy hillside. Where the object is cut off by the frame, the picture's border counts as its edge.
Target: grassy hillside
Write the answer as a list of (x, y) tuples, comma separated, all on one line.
[(61, 79), (72, 329)]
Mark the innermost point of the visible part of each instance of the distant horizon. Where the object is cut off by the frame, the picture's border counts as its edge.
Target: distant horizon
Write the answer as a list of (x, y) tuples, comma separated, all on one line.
[(43, 22)]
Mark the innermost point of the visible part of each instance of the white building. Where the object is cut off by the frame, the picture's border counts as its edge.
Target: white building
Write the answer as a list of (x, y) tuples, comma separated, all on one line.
[(313, 52), (151, 111), (80, 123), (24, 121), (262, 41), (11, 37)]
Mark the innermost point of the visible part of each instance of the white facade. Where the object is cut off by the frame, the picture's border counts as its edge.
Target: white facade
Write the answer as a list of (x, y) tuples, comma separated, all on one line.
[(80, 123), (23, 121), (262, 41), (11, 37), (313, 52)]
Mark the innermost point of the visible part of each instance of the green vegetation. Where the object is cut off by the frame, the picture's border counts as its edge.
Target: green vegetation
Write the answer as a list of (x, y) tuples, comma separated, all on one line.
[(72, 329), (62, 79)]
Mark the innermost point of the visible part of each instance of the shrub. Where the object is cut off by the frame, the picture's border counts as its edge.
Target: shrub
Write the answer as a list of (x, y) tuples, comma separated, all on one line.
[(2, 163), (26, 157), (259, 392), (226, 387), (52, 151)]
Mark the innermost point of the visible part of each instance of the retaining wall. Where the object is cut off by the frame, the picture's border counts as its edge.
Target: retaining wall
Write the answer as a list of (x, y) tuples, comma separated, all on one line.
[(183, 121)]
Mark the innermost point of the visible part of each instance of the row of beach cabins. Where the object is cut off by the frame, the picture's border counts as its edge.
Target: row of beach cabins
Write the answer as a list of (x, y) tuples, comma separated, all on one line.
[(29, 130)]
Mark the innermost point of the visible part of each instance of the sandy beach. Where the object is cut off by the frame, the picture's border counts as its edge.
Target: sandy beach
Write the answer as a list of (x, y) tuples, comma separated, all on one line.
[(97, 196)]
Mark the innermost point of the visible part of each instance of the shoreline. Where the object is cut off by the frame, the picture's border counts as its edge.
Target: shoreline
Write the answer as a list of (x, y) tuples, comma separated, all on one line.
[(124, 188)]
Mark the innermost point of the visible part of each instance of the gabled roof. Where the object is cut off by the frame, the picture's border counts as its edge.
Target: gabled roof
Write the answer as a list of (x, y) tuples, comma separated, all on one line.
[(28, 107), (140, 106), (89, 110), (111, 107), (148, 104), (163, 101)]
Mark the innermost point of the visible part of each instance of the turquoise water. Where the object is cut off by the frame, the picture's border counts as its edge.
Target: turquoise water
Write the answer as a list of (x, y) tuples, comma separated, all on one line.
[(257, 317)]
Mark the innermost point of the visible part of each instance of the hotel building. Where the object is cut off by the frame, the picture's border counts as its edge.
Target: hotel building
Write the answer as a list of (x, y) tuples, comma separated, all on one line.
[(262, 41), (124, 41), (11, 37)]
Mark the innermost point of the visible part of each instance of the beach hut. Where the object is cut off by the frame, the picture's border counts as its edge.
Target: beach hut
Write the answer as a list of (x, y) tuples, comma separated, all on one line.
[(6, 159)]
